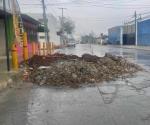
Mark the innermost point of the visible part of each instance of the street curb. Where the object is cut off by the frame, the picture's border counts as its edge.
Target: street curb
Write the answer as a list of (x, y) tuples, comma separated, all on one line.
[(136, 48)]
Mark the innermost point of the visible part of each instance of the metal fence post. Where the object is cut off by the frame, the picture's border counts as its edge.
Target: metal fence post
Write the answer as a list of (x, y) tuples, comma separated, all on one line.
[(25, 47)]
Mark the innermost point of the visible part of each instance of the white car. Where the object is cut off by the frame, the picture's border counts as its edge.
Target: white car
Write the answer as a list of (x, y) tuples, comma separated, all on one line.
[(71, 44)]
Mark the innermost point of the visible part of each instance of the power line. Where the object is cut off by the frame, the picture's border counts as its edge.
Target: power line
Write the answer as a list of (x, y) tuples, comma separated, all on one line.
[(107, 5), (25, 4), (98, 3)]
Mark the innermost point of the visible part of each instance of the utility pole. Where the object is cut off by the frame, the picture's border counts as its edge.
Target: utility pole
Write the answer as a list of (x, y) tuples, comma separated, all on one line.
[(6, 38), (136, 32), (62, 20), (121, 35), (45, 21), (62, 25)]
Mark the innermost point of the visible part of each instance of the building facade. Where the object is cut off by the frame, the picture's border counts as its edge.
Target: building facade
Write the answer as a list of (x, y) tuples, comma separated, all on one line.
[(143, 30), (6, 31), (143, 33), (115, 35), (31, 26), (128, 35)]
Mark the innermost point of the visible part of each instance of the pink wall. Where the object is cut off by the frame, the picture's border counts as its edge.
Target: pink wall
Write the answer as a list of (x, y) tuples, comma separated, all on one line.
[(20, 51)]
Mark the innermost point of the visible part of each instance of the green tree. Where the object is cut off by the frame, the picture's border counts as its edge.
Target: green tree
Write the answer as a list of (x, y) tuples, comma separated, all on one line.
[(68, 25)]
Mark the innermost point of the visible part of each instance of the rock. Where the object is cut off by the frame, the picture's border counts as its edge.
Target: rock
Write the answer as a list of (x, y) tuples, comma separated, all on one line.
[(115, 58), (92, 80), (90, 58), (74, 76), (10, 81)]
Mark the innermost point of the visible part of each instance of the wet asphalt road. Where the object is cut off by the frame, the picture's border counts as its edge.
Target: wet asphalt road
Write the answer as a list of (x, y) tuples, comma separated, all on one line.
[(122, 102)]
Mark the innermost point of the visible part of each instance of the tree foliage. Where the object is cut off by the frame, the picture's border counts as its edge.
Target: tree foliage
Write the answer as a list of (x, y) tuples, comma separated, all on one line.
[(90, 38), (68, 25)]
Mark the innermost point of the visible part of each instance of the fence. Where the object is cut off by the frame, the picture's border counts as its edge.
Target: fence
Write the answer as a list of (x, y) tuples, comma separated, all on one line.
[(27, 50), (35, 48)]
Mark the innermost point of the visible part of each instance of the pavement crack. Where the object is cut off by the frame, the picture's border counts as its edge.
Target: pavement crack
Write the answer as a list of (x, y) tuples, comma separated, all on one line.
[(108, 98)]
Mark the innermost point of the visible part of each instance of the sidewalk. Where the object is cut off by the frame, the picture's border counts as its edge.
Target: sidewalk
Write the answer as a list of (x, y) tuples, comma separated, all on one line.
[(9, 79), (146, 48), (4, 78)]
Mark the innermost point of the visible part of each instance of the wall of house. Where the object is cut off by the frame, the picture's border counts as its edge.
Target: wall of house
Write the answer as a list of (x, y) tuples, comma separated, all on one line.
[(30, 54), (3, 66), (10, 38), (32, 31), (2, 38), (10, 30), (10, 35)]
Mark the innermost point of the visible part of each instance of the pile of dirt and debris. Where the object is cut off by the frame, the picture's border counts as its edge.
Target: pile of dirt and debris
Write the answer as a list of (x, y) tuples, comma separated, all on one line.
[(73, 71)]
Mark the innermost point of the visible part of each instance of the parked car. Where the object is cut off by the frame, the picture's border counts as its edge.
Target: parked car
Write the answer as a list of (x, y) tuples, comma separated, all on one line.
[(71, 43)]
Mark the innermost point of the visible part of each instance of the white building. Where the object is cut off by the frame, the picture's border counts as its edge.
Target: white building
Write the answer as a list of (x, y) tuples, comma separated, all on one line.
[(41, 37)]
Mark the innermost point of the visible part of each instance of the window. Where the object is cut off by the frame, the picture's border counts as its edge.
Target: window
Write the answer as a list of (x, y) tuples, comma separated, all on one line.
[(42, 37)]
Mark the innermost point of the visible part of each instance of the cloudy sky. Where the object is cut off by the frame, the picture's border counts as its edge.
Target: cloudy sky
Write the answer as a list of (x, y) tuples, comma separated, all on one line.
[(91, 15)]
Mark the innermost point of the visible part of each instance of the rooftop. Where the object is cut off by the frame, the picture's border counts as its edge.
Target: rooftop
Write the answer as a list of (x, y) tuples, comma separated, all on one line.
[(29, 18)]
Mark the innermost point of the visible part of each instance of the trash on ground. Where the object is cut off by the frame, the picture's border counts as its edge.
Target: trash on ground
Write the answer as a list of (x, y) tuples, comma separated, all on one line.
[(72, 71)]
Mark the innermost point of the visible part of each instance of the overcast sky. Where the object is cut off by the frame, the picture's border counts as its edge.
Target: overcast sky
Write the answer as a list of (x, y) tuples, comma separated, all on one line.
[(91, 15)]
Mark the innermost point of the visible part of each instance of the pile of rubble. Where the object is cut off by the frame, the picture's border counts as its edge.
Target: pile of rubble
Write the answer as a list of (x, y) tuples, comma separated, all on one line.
[(73, 71)]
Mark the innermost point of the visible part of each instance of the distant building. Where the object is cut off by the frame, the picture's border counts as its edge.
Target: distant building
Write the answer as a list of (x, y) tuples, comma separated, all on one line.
[(126, 33), (143, 30), (115, 35), (102, 39), (53, 25), (129, 34), (41, 34), (143, 33)]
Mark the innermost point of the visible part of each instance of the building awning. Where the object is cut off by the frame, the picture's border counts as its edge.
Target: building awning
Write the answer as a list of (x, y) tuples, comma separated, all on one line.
[(29, 19), (2, 14)]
